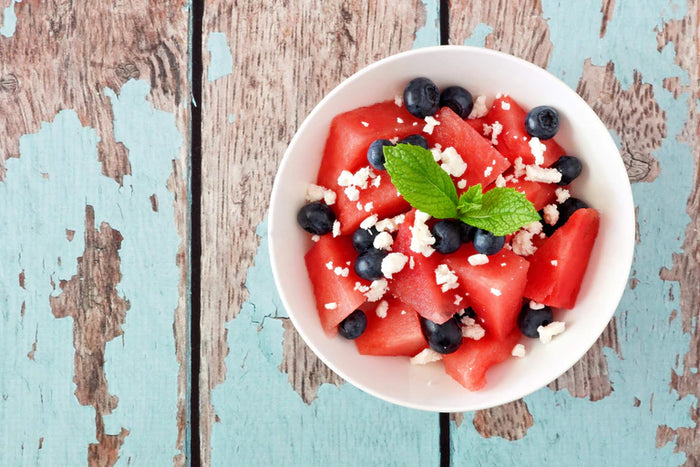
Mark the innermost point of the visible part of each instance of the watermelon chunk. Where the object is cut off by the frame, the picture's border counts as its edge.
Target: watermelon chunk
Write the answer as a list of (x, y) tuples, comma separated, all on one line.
[(385, 200), (494, 290), (469, 364), (417, 287), (398, 333), (484, 163), (557, 284), (513, 142), (539, 194), (348, 139), (329, 287)]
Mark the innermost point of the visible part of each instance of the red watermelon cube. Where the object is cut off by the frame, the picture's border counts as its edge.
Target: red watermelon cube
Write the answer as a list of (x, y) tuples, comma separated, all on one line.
[(539, 194), (385, 202), (398, 333), (558, 266)]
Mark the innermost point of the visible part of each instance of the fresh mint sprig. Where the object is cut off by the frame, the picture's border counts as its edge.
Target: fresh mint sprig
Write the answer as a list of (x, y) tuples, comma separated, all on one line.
[(422, 182)]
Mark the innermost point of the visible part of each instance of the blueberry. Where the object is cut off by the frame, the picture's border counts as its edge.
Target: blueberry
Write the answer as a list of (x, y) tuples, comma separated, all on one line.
[(487, 243), (416, 140), (353, 326), (421, 97), (542, 122), (316, 218), (362, 239), (566, 209), (468, 312), (375, 153), (466, 232), (447, 236), (443, 338), (369, 264), (458, 99), (529, 320), (569, 167)]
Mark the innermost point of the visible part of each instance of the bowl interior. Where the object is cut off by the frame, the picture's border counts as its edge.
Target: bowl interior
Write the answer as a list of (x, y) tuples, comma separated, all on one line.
[(603, 185)]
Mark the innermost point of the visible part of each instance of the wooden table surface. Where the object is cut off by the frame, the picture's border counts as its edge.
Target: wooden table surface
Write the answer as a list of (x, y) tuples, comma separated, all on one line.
[(138, 319)]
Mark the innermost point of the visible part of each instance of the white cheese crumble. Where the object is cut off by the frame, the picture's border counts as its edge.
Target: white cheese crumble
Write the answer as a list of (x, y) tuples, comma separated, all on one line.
[(552, 329), (329, 265), (390, 224), (451, 161), (359, 206), (518, 351), (369, 222), (341, 271), (360, 288), (495, 292), (369, 206), (486, 129), (421, 238), (554, 262), (550, 214), (538, 174), (330, 306), (393, 263), (383, 241), (479, 109), (472, 330), (496, 129), (318, 193), (462, 184), (426, 356), (500, 181), (478, 259), (458, 300), (315, 238), (446, 278), (487, 171), (394, 140), (365, 124), (336, 229), (505, 105), (430, 123), (399, 120), (352, 193), (376, 290), (377, 180), (537, 150), (562, 195), (535, 306), (411, 263), (359, 179), (382, 308), (522, 243), (398, 100), (519, 167), (534, 227)]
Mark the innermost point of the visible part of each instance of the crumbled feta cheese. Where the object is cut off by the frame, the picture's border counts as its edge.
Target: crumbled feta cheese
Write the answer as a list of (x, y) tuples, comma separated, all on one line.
[(446, 278), (537, 150), (398, 100), (336, 229), (473, 331), (383, 241), (382, 308), (554, 262), (369, 222), (329, 265), (496, 129), (315, 238), (377, 180), (345, 178), (504, 265), (348, 263), (426, 356), (538, 174), (522, 243), (479, 109), (486, 129), (352, 193), (562, 195), (421, 238), (500, 181), (505, 105), (518, 351), (437, 154), (534, 227), (550, 214), (390, 224), (478, 259), (415, 123), (362, 176), (360, 288), (318, 193), (411, 263), (430, 123), (543, 236), (458, 300), (393, 263), (394, 140), (462, 184), (495, 292), (365, 124), (330, 306), (399, 120), (369, 206), (487, 171), (535, 306), (552, 329), (343, 272), (376, 290), (452, 162), (359, 206), (519, 167)]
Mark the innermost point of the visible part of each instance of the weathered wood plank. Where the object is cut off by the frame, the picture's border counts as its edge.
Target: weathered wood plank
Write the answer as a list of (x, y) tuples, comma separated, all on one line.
[(613, 60), (286, 56), (98, 202)]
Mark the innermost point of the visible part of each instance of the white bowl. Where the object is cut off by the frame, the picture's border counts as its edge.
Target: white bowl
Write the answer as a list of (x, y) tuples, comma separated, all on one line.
[(603, 185)]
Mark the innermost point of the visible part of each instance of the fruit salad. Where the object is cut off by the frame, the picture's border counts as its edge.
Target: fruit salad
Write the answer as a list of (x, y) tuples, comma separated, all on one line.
[(443, 229)]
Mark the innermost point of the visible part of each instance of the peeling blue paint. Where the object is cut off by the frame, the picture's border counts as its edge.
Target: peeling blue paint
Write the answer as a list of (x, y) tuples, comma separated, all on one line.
[(45, 192), (9, 24), (221, 59), (429, 34), (231, 118), (478, 35)]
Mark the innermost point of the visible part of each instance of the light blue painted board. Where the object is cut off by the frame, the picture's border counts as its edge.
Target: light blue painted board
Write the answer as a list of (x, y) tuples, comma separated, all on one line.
[(35, 211), (9, 16), (572, 431), (263, 421), (221, 59)]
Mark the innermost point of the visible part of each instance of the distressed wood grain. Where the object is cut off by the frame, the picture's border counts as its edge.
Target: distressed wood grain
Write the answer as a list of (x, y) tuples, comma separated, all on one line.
[(286, 57), (62, 55)]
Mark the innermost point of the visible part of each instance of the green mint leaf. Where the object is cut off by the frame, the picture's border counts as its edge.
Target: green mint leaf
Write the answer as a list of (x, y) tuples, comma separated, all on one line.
[(470, 200), (420, 180), (502, 212)]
